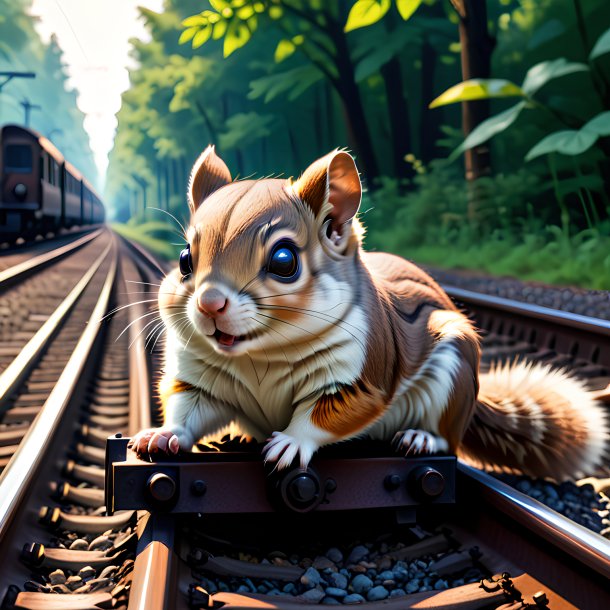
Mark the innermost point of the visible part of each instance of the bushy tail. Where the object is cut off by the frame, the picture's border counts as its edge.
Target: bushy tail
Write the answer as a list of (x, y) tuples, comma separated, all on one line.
[(537, 420)]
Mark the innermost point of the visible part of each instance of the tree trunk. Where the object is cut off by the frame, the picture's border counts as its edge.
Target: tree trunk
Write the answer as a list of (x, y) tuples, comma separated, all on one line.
[(429, 131), (398, 114), (357, 128), (477, 46), (398, 109)]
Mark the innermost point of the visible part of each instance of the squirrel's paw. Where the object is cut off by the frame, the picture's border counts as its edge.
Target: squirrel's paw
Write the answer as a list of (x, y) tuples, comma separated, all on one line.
[(155, 441), (419, 441), (283, 449)]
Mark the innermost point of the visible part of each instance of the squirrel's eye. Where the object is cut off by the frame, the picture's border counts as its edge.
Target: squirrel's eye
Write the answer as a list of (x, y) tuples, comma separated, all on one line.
[(186, 262), (284, 262)]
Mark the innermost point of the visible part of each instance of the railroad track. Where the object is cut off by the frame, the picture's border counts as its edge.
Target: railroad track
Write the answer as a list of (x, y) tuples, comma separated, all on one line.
[(73, 556), (10, 256), (82, 383)]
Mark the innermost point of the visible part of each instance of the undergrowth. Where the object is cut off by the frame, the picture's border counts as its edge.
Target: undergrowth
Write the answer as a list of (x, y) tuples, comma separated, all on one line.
[(502, 233)]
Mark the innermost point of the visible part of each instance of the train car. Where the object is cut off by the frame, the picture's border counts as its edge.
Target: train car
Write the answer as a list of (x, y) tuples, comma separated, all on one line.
[(99, 213), (39, 190), (87, 197), (31, 190), (72, 213)]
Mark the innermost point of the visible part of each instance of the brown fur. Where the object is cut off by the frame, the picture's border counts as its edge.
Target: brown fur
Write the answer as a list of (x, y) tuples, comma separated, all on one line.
[(411, 326), (349, 410), (168, 387)]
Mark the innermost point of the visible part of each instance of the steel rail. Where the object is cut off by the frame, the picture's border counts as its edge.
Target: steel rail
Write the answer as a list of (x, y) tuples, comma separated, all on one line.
[(153, 581), (19, 271), (19, 368), (139, 374), (586, 546), (25, 463), (554, 316)]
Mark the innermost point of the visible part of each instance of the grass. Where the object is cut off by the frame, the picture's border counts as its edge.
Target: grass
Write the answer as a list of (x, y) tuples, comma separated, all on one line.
[(583, 260), (159, 237)]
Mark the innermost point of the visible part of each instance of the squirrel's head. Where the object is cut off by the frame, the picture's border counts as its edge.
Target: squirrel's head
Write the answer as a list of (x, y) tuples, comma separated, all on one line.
[(268, 262)]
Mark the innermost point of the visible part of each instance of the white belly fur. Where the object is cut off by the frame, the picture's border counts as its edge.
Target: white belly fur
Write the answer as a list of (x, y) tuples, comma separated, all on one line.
[(266, 391)]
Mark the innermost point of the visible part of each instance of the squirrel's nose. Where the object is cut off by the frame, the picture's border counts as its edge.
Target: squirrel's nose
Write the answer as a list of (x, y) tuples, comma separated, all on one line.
[(212, 302)]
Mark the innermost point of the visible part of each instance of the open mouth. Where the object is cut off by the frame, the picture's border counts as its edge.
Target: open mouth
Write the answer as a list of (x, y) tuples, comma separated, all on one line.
[(226, 339)]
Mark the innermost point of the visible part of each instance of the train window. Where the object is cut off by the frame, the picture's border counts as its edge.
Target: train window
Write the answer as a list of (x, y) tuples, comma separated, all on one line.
[(18, 158)]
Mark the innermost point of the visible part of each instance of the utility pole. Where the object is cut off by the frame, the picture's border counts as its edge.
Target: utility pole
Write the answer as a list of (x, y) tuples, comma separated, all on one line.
[(9, 76), (28, 107)]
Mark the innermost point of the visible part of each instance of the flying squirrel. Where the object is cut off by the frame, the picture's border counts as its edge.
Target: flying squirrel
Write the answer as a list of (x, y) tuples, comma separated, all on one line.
[(279, 323)]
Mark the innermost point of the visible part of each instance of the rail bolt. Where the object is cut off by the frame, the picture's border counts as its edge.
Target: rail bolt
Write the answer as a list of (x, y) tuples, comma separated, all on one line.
[(161, 487), (392, 482), (300, 490), (426, 482)]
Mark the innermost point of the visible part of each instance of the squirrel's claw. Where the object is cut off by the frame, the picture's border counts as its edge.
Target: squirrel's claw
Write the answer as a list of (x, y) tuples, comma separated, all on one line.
[(283, 449), (419, 441)]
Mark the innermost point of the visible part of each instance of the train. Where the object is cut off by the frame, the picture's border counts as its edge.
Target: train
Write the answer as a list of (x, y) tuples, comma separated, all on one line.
[(40, 191)]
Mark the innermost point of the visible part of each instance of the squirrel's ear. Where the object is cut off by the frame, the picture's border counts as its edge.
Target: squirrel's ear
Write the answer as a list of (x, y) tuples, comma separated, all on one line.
[(208, 174), (331, 186)]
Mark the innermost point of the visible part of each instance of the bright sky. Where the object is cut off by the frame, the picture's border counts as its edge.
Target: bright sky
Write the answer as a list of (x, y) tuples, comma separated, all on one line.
[(93, 35)]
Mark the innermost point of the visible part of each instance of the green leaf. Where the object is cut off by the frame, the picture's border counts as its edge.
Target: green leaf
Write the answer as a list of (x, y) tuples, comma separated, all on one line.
[(285, 48), (219, 5), (294, 82), (220, 27), (478, 89), (237, 36), (187, 35), (377, 55), (195, 20), (407, 7), (602, 46), (244, 129), (202, 36), (599, 125), (366, 12), (540, 74), (567, 142), (489, 128), (245, 12), (545, 33)]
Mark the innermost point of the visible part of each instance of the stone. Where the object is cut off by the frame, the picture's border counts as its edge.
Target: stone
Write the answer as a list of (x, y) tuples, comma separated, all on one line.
[(57, 578), (397, 593), (335, 555), (358, 553), (412, 586), (311, 578), (376, 594), (386, 575), (331, 601), (354, 598), (337, 580), (323, 563), (440, 584), (361, 583), (313, 595), (336, 592)]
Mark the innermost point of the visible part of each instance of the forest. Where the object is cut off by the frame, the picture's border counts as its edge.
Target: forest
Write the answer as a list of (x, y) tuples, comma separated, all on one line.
[(481, 129), (53, 111)]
